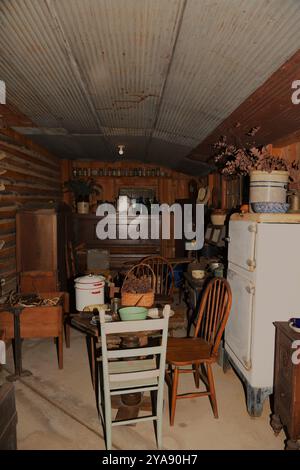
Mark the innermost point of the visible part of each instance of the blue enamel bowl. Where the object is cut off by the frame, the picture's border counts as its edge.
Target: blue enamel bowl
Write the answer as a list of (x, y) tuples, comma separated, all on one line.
[(270, 207)]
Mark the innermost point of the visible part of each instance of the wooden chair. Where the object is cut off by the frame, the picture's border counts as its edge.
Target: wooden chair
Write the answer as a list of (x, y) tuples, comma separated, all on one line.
[(201, 351), (138, 270), (119, 376), (164, 279)]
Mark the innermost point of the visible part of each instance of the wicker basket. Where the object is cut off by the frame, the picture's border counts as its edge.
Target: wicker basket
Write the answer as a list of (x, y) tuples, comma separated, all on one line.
[(129, 299)]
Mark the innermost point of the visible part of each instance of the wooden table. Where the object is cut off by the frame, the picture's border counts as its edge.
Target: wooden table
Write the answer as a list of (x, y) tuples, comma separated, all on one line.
[(82, 322), (40, 321)]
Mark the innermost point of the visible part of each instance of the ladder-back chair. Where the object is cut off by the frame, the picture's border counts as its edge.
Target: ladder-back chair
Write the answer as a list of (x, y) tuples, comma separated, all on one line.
[(143, 372), (164, 279), (201, 351)]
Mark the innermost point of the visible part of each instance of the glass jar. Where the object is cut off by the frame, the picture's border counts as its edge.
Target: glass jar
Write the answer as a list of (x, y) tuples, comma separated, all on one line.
[(115, 305)]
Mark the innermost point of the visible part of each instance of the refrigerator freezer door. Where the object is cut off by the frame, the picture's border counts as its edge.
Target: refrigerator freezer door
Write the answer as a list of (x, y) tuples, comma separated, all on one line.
[(238, 332), (241, 249)]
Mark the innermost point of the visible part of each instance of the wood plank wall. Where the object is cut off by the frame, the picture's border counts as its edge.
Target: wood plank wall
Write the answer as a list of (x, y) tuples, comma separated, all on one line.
[(27, 174), (289, 152), (168, 188), (173, 185)]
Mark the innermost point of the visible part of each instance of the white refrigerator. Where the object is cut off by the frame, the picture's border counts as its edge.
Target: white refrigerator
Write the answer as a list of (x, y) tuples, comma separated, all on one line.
[(264, 275)]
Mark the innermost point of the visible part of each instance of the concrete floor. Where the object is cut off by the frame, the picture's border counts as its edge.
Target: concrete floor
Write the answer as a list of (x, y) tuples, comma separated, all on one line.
[(56, 409)]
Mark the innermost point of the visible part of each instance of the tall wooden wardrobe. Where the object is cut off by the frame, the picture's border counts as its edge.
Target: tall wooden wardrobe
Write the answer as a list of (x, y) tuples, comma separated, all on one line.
[(43, 233)]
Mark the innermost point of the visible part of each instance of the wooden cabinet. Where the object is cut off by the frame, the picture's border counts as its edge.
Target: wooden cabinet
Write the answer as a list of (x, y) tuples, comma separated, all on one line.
[(42, 232), (120, 250), (287, 385)]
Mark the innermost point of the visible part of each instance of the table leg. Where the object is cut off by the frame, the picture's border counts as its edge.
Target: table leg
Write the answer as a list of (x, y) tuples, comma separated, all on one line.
[(19, 372), (90, 342)]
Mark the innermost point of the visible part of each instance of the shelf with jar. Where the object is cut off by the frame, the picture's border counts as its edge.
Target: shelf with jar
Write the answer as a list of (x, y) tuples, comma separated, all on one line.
[(119, 172)]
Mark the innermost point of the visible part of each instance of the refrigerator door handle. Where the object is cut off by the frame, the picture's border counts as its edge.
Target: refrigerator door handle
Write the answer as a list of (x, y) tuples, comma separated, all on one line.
[(250, 289), (230, 274), (252, 264), (252, 228)]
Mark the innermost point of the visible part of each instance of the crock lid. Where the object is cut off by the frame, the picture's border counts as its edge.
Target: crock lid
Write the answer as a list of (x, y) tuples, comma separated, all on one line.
[(90, 279)]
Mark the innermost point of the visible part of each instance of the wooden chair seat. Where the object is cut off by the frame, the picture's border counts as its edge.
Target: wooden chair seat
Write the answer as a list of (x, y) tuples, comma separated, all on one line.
[(185, 351)]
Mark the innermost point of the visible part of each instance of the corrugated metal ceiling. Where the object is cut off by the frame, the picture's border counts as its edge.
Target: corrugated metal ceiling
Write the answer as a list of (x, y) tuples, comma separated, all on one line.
[(157, 75)]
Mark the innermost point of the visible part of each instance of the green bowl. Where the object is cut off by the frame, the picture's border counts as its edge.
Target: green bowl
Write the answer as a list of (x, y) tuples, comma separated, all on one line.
[(133, 313)]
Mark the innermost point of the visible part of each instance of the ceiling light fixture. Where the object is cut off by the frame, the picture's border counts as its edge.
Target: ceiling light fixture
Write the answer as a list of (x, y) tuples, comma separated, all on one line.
[(121, 149)]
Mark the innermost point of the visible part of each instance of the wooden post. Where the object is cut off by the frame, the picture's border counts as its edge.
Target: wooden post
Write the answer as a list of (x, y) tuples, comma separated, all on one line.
[(66, 174)]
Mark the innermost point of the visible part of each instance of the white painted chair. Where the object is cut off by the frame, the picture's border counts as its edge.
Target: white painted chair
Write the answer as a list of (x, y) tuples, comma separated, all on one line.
[(119, 376)]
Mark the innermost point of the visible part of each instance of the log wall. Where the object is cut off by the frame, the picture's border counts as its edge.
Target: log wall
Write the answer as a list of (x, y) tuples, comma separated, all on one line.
[(27, 174)]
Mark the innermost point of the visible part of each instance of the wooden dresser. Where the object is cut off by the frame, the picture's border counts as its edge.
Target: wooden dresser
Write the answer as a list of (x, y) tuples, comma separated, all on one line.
[(287, 385)]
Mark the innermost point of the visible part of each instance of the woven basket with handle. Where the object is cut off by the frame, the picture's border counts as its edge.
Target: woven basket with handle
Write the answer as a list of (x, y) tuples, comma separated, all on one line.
[(130, 299)]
